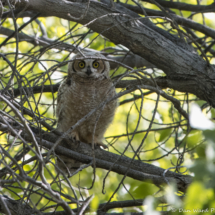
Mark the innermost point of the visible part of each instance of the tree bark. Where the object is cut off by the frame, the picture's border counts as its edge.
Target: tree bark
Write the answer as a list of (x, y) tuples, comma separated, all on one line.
[(122, 26)]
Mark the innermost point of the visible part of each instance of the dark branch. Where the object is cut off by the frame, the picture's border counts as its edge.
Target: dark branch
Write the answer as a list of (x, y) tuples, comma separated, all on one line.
[(185, 6), (180, 20), (104, 159)]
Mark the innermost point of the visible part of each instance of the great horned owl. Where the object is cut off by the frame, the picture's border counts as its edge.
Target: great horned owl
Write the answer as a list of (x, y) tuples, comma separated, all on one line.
[(87, 85)]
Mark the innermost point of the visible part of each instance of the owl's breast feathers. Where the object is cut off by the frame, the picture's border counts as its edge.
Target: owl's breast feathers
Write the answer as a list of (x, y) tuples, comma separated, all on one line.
[(77, 96)]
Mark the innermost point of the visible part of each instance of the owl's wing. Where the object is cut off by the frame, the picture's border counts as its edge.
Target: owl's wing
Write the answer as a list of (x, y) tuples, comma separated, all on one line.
[(60, 103)]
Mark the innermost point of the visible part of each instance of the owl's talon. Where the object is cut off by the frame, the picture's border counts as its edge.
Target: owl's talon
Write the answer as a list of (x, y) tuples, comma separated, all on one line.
[(72, 139), (102, 144), (75, 137)]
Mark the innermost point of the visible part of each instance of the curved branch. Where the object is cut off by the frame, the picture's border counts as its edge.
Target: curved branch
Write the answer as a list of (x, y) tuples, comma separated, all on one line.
[(138, 34)]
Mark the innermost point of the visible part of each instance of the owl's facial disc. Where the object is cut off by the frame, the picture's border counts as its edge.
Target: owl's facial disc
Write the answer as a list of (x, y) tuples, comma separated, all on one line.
[(88, 68)]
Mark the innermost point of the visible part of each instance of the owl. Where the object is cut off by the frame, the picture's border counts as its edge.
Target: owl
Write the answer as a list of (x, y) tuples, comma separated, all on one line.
[(87, 85)]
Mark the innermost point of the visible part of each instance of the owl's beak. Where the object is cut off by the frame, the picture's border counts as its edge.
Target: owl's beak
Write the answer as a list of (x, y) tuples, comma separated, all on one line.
[(88, 71)]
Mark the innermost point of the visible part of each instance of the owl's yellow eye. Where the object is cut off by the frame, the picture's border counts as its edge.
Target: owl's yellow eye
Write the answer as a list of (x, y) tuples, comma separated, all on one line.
[(81, 64), (95, 64)]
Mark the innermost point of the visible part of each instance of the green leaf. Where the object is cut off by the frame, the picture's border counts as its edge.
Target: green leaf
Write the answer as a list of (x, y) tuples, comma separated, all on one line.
[(145, 189), (209, 134), (164, 134), (95, 203)]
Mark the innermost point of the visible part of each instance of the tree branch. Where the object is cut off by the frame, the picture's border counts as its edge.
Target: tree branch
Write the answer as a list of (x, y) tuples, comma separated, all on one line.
[(163, 82), (185, 6), (104, 159), (17, 205), (157, 46), (180, 20), (130, 60)]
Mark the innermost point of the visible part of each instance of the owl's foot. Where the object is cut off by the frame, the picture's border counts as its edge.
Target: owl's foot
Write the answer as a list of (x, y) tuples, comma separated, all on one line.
[(74, 136), (101, 144)]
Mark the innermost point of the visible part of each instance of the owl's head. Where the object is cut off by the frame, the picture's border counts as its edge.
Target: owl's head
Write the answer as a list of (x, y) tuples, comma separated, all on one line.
[(89, 66)]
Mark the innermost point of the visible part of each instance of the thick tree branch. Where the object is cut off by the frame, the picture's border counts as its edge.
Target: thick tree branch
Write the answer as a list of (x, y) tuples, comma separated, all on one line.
[(180, 20), (104, 159), (185, 6), (139, 35)]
